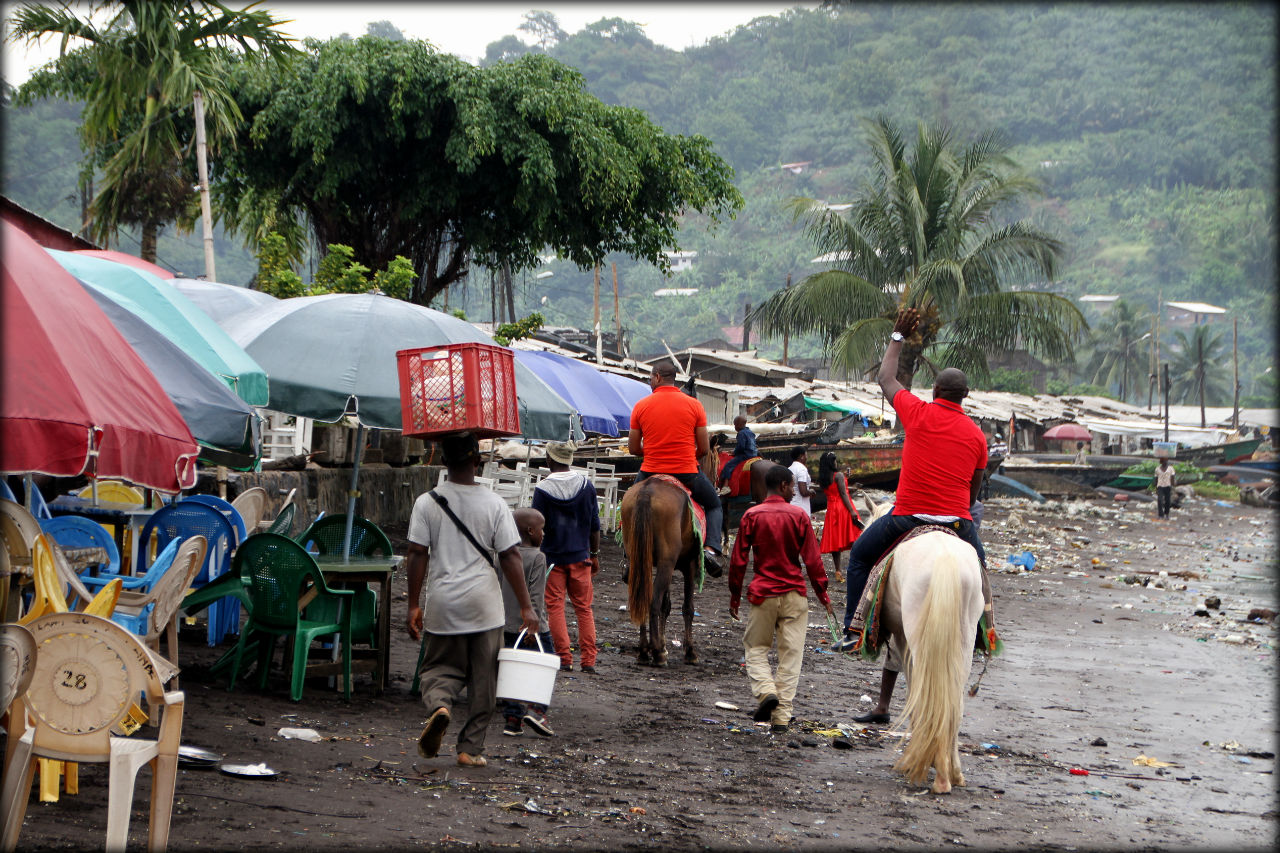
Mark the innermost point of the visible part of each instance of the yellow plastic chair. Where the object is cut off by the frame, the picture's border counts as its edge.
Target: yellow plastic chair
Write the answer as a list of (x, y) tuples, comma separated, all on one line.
[(88, 669), (49, 598), (114, 491)]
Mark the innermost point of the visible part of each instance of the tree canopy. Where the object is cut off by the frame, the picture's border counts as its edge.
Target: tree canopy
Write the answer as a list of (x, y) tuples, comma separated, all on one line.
[(393, 148)]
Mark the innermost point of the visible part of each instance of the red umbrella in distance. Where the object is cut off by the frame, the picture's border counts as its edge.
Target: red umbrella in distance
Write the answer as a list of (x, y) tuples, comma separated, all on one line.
[(126, 258), (74, 396), (1068, 432)]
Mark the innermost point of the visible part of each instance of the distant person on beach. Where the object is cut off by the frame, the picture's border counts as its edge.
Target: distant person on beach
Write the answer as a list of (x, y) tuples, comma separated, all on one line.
[(462, 618), (1082, 456), (669, 434), (1166, 479), (572, 545), (800, 472), (842, 525), (743, 449), (530, 524), (778, 535)]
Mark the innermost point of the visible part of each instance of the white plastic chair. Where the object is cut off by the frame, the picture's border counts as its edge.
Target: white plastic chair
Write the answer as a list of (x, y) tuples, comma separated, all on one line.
[(154, 613), (17, 665), (251, 503), (80, 656)]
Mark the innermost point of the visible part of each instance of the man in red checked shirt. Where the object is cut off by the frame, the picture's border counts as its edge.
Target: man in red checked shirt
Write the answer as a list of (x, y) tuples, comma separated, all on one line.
[(781, 537)]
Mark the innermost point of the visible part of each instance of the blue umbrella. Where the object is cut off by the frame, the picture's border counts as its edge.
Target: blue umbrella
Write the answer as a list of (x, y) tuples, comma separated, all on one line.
[(582, 386)]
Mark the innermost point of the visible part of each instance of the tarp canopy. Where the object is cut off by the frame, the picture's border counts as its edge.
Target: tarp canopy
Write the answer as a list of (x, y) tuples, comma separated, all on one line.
[(602, 410), (832, 406)]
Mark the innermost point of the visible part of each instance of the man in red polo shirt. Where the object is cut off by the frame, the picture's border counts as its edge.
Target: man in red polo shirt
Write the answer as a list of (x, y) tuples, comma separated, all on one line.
[(944, 455), (669, 433)]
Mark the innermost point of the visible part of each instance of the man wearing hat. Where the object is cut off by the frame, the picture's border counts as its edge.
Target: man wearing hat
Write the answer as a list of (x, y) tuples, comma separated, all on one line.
[(571, 543), (669, 433), (463, 615)]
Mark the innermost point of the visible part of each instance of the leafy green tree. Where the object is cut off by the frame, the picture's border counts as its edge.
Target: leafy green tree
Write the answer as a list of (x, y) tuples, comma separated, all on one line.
[(923, 233), (1200, 367), (138, 77), (1117, 357), (544, 26), (275, 275), (393, 148)]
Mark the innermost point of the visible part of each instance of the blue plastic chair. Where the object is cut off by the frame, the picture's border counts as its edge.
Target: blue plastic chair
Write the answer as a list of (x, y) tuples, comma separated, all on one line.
[(6, 492), (143, 580), (186, 518), (237, 521), (75, 531), (39, 508)]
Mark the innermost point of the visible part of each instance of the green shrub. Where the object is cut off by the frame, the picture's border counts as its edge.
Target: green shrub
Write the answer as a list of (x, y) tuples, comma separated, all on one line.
[(1217, 491), (1187, 472)]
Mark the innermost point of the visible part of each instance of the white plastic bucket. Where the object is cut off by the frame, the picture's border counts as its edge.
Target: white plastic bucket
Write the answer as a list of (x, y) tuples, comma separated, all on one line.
[(526, 676)]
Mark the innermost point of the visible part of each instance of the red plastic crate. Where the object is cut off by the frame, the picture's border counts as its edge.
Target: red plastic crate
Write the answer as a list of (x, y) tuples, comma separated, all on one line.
[(458, 387)]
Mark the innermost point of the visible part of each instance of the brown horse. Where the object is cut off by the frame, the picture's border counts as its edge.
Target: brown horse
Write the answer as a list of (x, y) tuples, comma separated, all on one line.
[(657, 532), (746, 486)]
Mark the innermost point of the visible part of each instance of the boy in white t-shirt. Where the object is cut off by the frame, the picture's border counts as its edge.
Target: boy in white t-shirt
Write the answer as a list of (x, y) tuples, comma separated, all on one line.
[(800, 471), (463, 614)]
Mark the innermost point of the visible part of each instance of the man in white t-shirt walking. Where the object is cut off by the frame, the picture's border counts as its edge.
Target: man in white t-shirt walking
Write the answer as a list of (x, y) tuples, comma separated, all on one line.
[(800, 471), (463, 615)]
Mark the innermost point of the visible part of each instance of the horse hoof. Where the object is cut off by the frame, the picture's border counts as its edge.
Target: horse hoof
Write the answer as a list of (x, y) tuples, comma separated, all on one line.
[(941, 786)]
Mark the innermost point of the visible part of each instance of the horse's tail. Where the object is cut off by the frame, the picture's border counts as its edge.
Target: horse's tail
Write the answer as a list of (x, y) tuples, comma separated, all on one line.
[(938, 658), (638, 540)]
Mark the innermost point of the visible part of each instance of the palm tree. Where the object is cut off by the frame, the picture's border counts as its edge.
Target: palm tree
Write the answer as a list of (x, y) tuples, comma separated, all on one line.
[(1116, 356), (1199, 367), (145, 64), (922, 233)]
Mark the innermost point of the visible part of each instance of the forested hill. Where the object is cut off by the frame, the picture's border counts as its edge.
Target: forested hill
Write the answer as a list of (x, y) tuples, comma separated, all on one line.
[(1152, 127)]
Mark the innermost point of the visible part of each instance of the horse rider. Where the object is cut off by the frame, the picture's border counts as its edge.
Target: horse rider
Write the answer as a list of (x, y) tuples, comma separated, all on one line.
[(744, 449), (669, 434), (944, 455)]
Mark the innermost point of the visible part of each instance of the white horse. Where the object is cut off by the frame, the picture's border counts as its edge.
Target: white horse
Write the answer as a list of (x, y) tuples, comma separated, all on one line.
[(933, 600)]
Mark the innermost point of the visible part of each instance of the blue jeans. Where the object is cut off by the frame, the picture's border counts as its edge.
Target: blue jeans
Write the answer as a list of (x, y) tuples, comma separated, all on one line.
[(875, 540), (705, 494)]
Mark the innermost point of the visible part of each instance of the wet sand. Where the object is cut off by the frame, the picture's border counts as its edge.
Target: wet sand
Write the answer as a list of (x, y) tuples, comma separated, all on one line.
[(1097, 672)]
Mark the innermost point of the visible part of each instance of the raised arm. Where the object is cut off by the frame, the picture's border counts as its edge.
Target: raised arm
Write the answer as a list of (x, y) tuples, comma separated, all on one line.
[(904, 325)]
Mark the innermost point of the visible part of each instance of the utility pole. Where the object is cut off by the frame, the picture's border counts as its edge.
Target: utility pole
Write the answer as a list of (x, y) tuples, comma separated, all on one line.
[(1235, 363), (1154, 363), (509, 285), (617, 313), (599, 345), (786, 336), (746, 327), (1164, 383), (202, 170)]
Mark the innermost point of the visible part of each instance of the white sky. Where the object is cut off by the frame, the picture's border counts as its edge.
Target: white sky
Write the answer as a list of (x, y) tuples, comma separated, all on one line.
[(466, 29)]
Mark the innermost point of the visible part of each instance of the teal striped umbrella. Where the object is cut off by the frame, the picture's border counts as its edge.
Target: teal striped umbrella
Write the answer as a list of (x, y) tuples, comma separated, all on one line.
[(173, 315)]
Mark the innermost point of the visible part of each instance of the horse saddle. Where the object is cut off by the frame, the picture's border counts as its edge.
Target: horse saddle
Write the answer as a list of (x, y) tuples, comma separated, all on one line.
[(699, 514), (740, 479), (866, 618)]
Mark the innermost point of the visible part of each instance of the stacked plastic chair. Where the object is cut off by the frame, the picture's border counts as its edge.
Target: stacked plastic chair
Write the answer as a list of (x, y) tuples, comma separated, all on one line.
[(183, 519)]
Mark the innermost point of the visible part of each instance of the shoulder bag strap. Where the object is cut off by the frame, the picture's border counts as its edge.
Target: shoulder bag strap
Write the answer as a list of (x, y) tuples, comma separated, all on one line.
[(444, 505)]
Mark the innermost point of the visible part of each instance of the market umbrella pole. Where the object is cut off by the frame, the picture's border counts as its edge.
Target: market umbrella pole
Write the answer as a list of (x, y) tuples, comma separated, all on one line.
[(352, 493)]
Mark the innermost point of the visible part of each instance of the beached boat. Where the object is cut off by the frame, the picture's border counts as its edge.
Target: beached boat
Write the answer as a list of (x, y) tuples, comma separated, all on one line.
[(1097, 470), (1219, 454)]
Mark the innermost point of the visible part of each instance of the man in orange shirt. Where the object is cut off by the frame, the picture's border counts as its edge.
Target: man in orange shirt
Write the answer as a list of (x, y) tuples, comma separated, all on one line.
[(669, 434)]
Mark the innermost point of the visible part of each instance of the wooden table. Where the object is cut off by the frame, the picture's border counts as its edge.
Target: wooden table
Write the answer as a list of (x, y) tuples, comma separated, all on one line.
[(376, 570)]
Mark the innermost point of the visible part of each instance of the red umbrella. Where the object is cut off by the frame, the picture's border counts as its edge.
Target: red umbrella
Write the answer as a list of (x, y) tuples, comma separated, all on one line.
[(76, 397), (124, 258), (1068, 432)]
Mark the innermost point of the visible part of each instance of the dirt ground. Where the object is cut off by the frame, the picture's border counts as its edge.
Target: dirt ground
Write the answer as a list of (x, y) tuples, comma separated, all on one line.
[(1099, 670)]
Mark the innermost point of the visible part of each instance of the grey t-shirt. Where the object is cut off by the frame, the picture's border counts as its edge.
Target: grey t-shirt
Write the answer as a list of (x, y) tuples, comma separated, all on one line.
[(535, 578), (462, 591)]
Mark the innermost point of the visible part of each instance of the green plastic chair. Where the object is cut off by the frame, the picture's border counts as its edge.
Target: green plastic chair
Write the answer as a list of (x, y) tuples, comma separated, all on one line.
[(280, 574), (283, 523), (367, 540)]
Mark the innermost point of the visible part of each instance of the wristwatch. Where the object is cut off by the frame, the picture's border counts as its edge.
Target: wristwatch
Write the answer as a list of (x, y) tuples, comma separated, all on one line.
[(895, 336)]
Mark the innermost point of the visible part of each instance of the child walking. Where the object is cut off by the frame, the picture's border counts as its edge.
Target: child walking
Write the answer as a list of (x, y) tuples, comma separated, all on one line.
[(529, 523), (778, 533)]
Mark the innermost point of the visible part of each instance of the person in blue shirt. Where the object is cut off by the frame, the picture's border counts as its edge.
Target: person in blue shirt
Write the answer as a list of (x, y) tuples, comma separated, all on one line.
[(745, 449)]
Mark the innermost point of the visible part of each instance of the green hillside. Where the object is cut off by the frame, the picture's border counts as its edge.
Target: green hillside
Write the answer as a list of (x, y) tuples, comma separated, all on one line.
[(1152, 127)]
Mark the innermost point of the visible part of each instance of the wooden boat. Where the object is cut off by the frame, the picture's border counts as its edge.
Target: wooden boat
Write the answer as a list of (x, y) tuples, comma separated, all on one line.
[(1219, 454), (1097, 470)]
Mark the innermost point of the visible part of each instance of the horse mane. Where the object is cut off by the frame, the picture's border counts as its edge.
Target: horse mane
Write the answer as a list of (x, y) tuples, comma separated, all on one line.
[(639, 545)]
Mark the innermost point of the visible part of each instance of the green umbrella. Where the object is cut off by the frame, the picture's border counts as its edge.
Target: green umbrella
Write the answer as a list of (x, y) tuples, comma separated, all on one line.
[(335, 355), (176, 317)]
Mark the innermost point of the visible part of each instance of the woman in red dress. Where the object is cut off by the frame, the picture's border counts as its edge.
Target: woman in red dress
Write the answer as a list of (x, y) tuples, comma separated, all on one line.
[(842, 524)]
